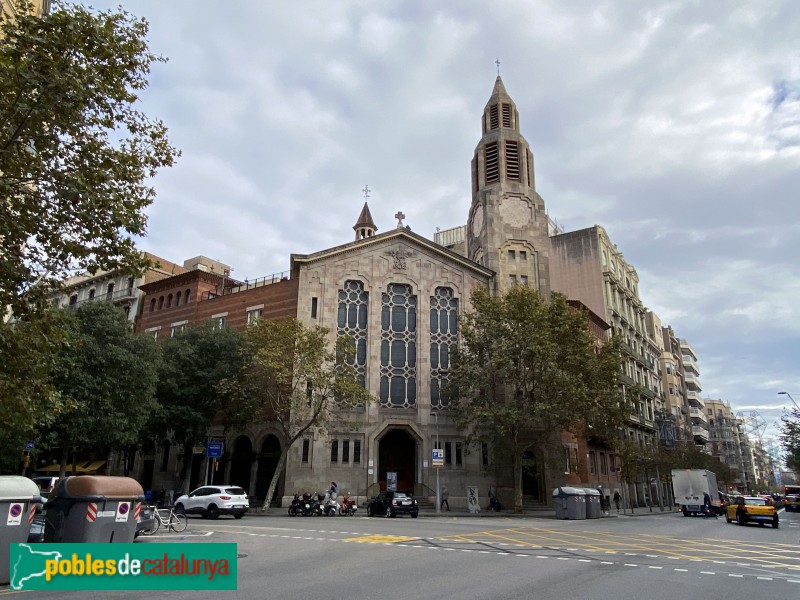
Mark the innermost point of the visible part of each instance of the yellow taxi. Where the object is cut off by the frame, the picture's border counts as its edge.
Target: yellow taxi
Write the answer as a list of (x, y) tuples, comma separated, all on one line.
[(752, 509)]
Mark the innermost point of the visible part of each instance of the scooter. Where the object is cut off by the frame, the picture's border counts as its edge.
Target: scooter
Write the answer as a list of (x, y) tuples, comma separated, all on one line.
[(329, 505), (296, 507), (348, 507), (309, 506)]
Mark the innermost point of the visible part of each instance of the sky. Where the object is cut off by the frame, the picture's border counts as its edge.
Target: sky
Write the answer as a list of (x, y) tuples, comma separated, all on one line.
[(673, 124)]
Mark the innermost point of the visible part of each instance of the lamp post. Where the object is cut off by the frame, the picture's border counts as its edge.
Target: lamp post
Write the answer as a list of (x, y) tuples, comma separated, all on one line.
[(790, 398)]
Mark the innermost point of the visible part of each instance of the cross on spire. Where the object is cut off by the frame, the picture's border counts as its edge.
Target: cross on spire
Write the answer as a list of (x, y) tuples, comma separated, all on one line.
[(366, 192), (497, 62)]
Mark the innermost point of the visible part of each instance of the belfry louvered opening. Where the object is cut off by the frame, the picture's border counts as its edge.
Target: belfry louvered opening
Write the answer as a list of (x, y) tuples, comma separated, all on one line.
[(491, 162), (512, 161), (494, 123), (506, 115)]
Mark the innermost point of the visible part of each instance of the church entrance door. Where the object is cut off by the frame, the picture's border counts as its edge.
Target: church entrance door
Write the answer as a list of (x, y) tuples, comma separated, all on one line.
[(267, 463), (397, 453)]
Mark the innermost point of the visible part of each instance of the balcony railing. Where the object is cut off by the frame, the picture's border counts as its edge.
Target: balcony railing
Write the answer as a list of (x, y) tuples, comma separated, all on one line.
[(700, 432), (117, 296)]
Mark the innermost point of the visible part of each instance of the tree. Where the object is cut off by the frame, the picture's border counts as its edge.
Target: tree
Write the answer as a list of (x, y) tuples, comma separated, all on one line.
[(527, 368), (194, 363), (790, 438), (109, 373), (75, 154), (28, 400), (292, 379)]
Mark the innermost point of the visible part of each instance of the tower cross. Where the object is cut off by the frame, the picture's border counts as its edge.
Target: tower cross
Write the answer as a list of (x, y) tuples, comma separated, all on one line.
[(366, 192), (497, 62)]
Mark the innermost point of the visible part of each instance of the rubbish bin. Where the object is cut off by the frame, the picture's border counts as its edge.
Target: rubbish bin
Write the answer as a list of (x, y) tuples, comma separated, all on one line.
[(18, 498), (93, 508), (594, 508), (573, 503)]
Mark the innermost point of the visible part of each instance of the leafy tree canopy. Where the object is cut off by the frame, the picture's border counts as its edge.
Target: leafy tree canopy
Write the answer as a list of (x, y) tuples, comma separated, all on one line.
[(109, 373), (529, 366), (790, 438), (293, 379), (75, 153)]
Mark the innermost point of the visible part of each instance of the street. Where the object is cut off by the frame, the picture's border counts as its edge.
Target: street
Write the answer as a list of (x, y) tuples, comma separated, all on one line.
[(644, 557)]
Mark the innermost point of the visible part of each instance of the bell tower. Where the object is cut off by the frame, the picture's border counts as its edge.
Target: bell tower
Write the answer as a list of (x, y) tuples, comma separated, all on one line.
[(507, 224)]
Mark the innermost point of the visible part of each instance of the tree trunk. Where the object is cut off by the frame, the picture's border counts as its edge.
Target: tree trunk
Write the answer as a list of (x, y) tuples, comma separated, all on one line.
[(275, 477), (62, 472), (517, 467)]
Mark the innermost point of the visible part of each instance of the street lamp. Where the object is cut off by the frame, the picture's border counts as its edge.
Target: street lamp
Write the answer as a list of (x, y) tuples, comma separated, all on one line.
[(790, 398)]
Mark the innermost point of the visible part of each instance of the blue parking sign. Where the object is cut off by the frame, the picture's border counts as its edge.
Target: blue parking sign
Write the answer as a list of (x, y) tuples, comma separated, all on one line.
[(214, 450)]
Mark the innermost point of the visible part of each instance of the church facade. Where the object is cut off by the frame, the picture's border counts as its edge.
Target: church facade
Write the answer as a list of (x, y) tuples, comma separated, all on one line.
[(399, 296)]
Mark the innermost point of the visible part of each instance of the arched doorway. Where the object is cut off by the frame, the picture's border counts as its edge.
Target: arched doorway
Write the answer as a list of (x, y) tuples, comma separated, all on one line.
[(531, 477), (241, 462), (267, 463), (397, 453)]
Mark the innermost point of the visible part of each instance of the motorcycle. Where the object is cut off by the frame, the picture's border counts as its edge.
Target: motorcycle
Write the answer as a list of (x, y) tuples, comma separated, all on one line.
[(296, 507), (309, 506), (329, 505), (348, 507)]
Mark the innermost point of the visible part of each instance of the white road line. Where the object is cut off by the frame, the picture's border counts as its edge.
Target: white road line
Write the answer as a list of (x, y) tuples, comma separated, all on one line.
[(735, 575), (605, 562), (765, 578), (681, 570), (629, 565), (652, 567)]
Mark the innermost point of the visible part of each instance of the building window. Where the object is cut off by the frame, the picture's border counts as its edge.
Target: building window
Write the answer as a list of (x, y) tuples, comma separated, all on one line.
[(219, 322), (448, 457), (351, 320), (512, 280), (253, 315), (306, 451), (313, 308), (459, 454), (178, 299), (73, 300), (160, 302), (130, 286), (592, 462), (523, 255), (169, 301), (512, 255), (603, 464), (155, 334), (491, 163), (612, 463), (334, 451), (506, 114), (345, 451), (523, 280), (398, 383), (91, 294), (356, 452), (444, 335), (152, 305), (186, 297), (110, 291)]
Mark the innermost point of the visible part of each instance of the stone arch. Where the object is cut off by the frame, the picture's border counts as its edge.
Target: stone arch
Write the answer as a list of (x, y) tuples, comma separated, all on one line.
[(241, 462)]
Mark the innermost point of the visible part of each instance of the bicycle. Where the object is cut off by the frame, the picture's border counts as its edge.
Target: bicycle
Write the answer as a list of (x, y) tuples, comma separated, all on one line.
[(177, 522)]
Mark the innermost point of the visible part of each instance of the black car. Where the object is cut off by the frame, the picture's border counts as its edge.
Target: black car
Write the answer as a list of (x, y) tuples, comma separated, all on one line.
[(391, 504)]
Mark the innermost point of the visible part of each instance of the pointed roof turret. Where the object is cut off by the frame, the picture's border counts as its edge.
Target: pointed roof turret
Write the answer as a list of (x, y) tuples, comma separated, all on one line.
[(365, 226), (500, 110)]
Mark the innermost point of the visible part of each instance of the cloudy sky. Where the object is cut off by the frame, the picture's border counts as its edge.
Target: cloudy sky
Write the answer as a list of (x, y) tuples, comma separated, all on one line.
[(673, 124)]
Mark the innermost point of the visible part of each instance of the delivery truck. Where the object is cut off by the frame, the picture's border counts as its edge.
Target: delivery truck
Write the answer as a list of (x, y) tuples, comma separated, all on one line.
[(690, 487)]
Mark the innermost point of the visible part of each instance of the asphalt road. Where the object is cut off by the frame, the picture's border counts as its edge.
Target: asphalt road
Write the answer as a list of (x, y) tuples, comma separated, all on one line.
[(639, 558)]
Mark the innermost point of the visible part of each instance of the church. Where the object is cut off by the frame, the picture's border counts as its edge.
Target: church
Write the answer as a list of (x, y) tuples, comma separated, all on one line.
[(398, 295)]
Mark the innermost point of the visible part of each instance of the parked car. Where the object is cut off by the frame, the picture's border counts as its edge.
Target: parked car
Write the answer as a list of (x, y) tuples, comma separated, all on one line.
[(792, 502), (392, 504), (214, 500), (146, 520), (752, 509)]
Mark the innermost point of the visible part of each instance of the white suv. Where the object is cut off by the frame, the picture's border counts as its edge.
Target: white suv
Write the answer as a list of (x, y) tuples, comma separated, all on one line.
[(214, 500)]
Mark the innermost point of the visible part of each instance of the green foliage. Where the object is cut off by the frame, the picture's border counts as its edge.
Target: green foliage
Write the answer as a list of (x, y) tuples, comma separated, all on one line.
[(194, 363), (529, 367), (292, 379), (28, 401), (110, 374), (76, 156), (790, 438)]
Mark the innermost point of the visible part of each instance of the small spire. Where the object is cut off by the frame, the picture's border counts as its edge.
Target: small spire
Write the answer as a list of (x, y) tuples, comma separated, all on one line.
[(365, 226)]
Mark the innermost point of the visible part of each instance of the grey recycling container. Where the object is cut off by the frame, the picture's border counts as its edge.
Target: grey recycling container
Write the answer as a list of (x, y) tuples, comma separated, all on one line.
[(93, 508), (594, 508), (560, 504), (18, 498), (574, 502)]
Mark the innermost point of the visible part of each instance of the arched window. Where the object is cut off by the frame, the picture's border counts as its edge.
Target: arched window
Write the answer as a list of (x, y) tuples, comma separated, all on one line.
[(178, 299), (160, 302), (398, 385), (152, 305), (352, 320), (110, 291), (169, 300), (186, 297), (444, 336)]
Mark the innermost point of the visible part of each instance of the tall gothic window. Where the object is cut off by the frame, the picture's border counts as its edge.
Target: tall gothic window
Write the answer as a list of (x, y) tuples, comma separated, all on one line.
[(352, 320), (398, 347), (444, 335)]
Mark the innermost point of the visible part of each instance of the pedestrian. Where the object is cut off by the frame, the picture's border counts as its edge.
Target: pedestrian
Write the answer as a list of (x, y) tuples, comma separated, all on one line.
[(445, 496), (707, 507), (494, 503), (334, 489), (617, 499)]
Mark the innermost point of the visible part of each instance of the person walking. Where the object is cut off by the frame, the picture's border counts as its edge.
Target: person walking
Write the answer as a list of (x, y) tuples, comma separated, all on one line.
[(445, 497), (617, 499)]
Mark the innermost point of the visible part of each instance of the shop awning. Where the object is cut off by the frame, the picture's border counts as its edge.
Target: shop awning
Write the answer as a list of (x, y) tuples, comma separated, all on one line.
[(91, 467)]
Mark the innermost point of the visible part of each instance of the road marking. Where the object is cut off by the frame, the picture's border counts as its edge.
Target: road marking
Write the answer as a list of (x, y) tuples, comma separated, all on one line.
[(652, 567), (629, 565), (681, 570), (735, 575), (707, 573), (765, 578)]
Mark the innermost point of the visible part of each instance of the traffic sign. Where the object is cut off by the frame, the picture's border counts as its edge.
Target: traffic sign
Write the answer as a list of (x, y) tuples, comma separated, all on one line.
[(29, 445), (438, 457), (214, 450)]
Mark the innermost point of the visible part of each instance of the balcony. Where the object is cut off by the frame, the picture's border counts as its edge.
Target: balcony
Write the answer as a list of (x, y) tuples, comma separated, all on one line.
[(697, 413), (700, 433)]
